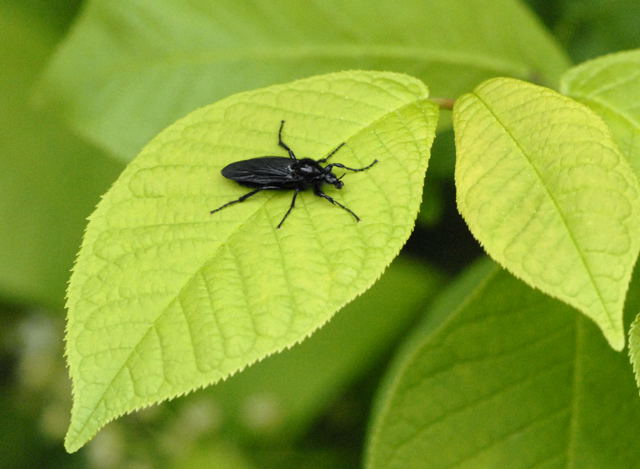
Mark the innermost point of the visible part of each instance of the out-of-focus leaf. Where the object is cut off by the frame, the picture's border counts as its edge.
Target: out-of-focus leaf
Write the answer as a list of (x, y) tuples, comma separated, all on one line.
[(440, 173), (432, 205), (589, 28), (131, 67), (509, 378), (49, 180), (312, 458), (45, 14), (217, 455), (15, 432)]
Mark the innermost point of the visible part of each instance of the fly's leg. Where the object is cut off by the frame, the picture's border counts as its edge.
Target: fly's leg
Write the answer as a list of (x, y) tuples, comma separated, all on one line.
[(293, 204), (319, 193), (241, 199), (340, 165), (292, 155), (246, 196), (333, 152)]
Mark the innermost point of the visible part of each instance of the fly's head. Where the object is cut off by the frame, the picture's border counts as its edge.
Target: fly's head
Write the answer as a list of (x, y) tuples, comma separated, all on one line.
[(332, 179)]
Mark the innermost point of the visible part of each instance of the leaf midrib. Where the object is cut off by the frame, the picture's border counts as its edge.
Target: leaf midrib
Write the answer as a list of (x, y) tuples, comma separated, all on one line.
[(555, 204)]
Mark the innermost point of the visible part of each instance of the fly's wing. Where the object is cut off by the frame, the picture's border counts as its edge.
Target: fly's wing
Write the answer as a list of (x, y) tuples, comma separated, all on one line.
[(263, 171)]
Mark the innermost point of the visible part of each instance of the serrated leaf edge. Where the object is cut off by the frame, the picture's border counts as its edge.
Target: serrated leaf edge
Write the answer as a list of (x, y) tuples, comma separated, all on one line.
[(70, 443)]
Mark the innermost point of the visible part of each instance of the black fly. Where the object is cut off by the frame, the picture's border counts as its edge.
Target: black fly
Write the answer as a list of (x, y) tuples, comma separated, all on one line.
[(282, 173)]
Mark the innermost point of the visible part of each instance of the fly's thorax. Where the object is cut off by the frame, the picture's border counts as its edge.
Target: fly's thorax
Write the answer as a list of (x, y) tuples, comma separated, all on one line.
[(308, 169)]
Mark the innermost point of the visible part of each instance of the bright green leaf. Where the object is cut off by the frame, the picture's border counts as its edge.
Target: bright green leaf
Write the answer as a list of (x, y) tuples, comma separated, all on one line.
[(166, 298), (610, 85), (543, 187), (130, 68), (49, 179), (508, 378), (294, 386)]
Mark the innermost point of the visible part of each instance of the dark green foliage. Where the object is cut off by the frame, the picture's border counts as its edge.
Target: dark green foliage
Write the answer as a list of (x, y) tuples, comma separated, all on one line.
[(310, 407)]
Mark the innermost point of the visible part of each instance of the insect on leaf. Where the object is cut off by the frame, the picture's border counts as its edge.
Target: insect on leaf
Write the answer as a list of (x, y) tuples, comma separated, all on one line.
[(166, 298), (544, 188)]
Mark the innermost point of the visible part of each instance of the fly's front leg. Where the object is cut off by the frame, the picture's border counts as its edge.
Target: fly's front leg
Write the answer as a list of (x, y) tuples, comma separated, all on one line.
[(293, 204), (331, 153), (317, 191), (340, 165), (292, 155)]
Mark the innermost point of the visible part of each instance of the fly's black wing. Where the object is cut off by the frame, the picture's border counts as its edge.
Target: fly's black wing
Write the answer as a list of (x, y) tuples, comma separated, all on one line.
[(263, 171)]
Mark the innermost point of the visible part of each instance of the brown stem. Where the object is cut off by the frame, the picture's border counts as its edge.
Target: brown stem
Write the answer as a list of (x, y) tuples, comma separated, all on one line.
[(444, 103)]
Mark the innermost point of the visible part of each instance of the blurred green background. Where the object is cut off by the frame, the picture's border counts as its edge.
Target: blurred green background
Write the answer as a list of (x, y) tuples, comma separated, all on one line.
[(307, 407)]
